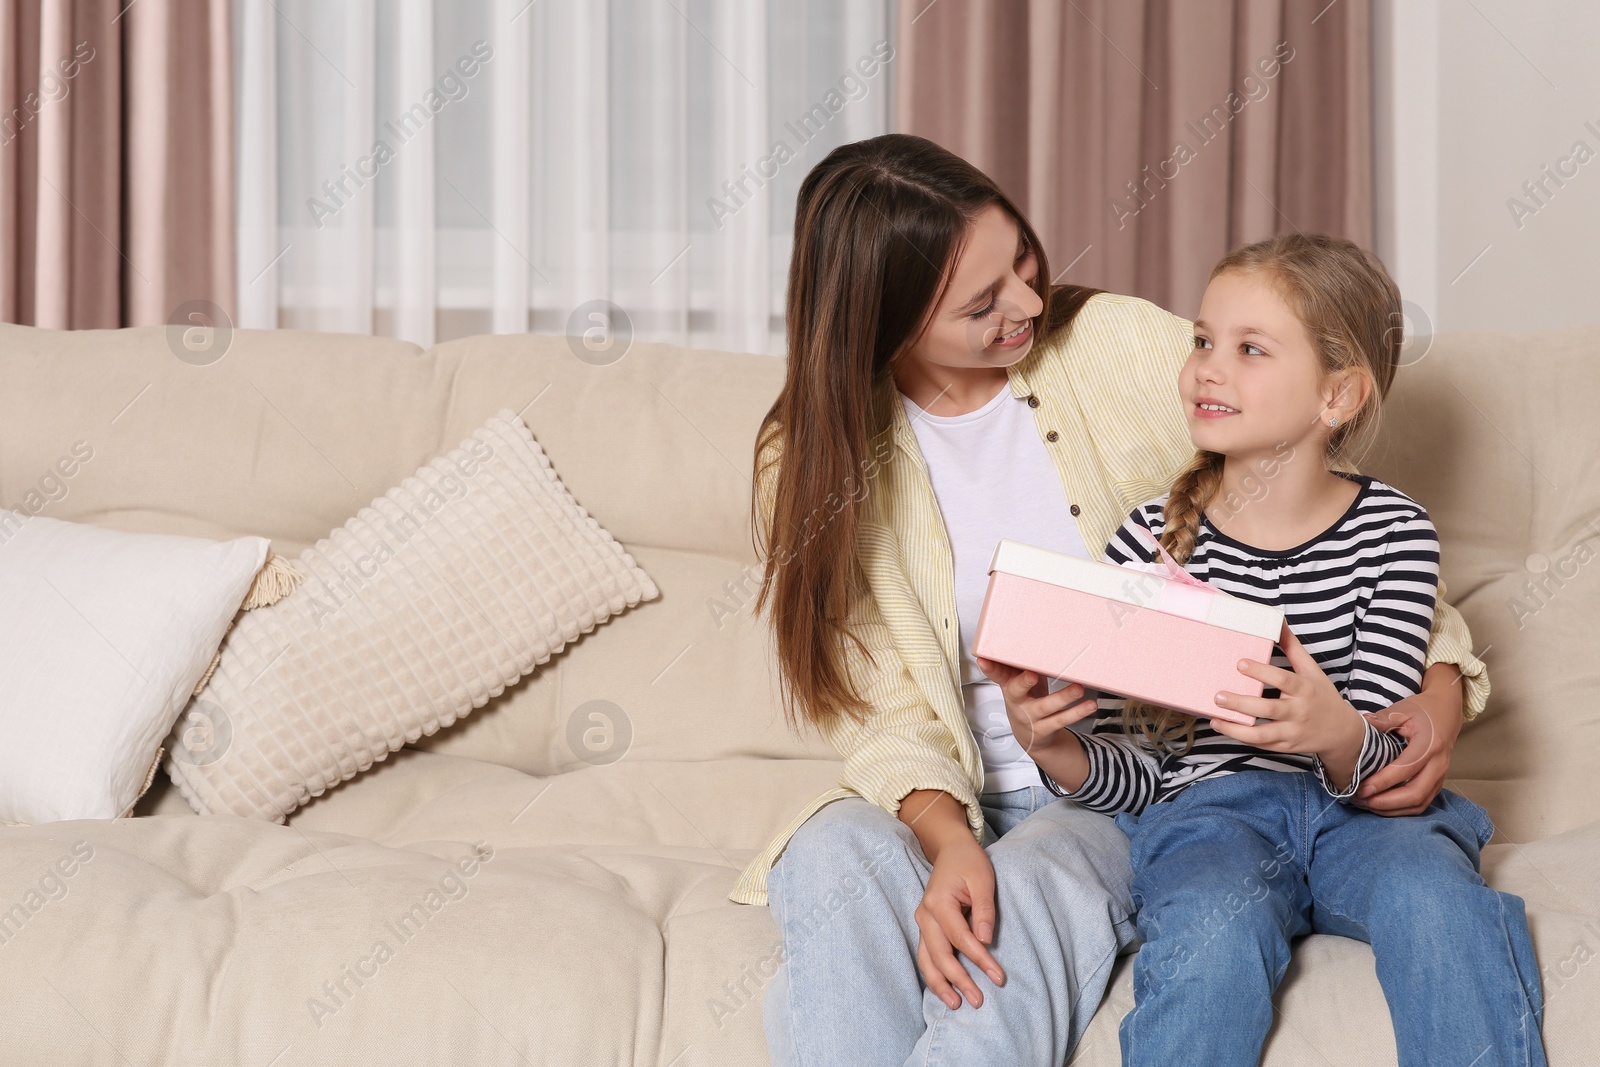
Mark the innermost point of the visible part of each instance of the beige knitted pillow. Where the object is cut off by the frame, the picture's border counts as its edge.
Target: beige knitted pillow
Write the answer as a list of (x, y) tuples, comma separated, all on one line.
[(425, 605)]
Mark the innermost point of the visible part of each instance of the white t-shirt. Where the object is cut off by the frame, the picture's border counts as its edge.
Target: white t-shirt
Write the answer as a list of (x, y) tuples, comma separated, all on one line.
[(993, 479)]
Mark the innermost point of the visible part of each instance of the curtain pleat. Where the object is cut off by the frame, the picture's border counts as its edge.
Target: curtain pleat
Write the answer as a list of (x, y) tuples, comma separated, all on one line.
[(358, 64), (415, 227), (1147, 138), (260, 249), (511, 163), (116, 172)]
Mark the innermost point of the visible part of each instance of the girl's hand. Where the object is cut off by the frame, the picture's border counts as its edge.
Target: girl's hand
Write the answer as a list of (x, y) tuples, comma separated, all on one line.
[(1038, 716), (962, 878), (1308, 715)]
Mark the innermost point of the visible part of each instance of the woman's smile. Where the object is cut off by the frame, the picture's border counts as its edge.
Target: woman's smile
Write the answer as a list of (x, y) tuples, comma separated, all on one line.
[(1016, 338)]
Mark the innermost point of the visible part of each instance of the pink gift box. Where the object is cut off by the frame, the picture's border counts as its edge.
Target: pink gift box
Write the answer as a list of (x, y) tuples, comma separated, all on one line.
[(1147, 631)]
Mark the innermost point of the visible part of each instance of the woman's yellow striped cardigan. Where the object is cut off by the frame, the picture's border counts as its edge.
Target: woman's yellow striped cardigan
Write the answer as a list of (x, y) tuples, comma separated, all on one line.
[(1109, 413)]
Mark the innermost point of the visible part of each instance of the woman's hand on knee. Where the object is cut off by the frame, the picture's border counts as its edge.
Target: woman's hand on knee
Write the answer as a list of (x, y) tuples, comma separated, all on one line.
[(962, 881)]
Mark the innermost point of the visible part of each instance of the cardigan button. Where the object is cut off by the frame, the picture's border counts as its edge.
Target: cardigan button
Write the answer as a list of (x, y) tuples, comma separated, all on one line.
[(1033, 401), (1051, 436), (1076, 509)]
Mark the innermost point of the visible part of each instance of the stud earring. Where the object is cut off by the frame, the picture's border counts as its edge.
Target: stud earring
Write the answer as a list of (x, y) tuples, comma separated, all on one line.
[(1334, 421)]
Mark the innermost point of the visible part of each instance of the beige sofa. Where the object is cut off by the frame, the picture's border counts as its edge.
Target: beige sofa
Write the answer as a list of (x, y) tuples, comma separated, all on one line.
[(597, 930)]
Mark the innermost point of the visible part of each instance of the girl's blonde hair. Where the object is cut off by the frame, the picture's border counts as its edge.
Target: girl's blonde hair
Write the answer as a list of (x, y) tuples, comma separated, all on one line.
[(1350, 307)]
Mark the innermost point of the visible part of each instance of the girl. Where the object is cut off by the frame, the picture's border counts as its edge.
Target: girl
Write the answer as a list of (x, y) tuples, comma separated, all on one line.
[(939, 904), (1242, 836)]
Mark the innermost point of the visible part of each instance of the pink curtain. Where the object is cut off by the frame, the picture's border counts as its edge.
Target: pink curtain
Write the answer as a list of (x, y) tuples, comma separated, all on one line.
[(116, 161), (1147, 138)]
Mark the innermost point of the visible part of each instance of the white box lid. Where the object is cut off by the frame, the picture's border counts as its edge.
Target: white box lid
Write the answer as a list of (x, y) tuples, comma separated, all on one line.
[(1128, 585)]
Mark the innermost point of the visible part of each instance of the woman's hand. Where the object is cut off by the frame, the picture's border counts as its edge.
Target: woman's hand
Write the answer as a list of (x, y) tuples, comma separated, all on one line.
[(1038, 717), (962, 880), (1430, 722), (1308, 714)]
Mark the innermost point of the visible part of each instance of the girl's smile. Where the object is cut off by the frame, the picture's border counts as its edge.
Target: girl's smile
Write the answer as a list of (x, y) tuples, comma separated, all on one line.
[(1206, 407)]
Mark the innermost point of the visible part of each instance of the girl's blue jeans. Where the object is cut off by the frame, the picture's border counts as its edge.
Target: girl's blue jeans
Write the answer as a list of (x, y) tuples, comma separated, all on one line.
[(1235, 866), (844, 895)]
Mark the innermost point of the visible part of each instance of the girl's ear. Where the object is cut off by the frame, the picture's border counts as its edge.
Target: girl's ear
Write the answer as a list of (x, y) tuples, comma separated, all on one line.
[(1345, 393)]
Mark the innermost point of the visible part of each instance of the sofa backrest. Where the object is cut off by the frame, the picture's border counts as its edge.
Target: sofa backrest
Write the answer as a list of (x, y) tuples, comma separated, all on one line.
[(290, 433), (1496, 435)]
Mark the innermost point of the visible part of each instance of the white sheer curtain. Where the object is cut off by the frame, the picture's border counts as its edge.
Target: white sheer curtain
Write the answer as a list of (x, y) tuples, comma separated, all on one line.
[(430, 169)]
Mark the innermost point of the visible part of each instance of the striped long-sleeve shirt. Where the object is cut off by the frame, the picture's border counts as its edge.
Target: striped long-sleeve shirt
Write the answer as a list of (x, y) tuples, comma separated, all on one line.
[(1360, 598)]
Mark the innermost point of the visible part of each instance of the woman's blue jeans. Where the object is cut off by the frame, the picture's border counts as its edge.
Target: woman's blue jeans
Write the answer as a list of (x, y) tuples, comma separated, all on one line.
[(1235, 866), (844, 893)]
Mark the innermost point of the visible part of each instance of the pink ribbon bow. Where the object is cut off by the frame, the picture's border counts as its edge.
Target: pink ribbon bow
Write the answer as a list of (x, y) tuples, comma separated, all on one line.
[(1183, 594)]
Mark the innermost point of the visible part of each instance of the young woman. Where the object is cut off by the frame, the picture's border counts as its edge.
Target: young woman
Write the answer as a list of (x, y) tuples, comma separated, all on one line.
[(941, 394), (1240, 841)]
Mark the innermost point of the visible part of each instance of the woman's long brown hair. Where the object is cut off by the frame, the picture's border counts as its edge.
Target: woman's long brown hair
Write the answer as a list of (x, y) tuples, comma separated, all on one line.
[(877, 229), (1351, 309)]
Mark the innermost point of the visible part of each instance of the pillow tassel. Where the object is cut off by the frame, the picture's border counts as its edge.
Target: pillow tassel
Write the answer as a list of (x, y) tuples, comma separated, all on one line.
[(276, 580)]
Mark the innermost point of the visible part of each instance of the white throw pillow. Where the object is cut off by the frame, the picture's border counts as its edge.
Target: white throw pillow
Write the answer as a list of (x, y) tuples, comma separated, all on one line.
[(103, 636), (427, 604)]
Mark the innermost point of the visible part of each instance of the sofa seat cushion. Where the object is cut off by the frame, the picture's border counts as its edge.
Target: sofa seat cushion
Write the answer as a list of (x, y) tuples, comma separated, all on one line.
[(421, 796), (252, 943), (597, 930)]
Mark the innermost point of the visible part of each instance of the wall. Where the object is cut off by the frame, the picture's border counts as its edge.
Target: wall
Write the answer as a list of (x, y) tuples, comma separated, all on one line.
[(1488, 157)]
